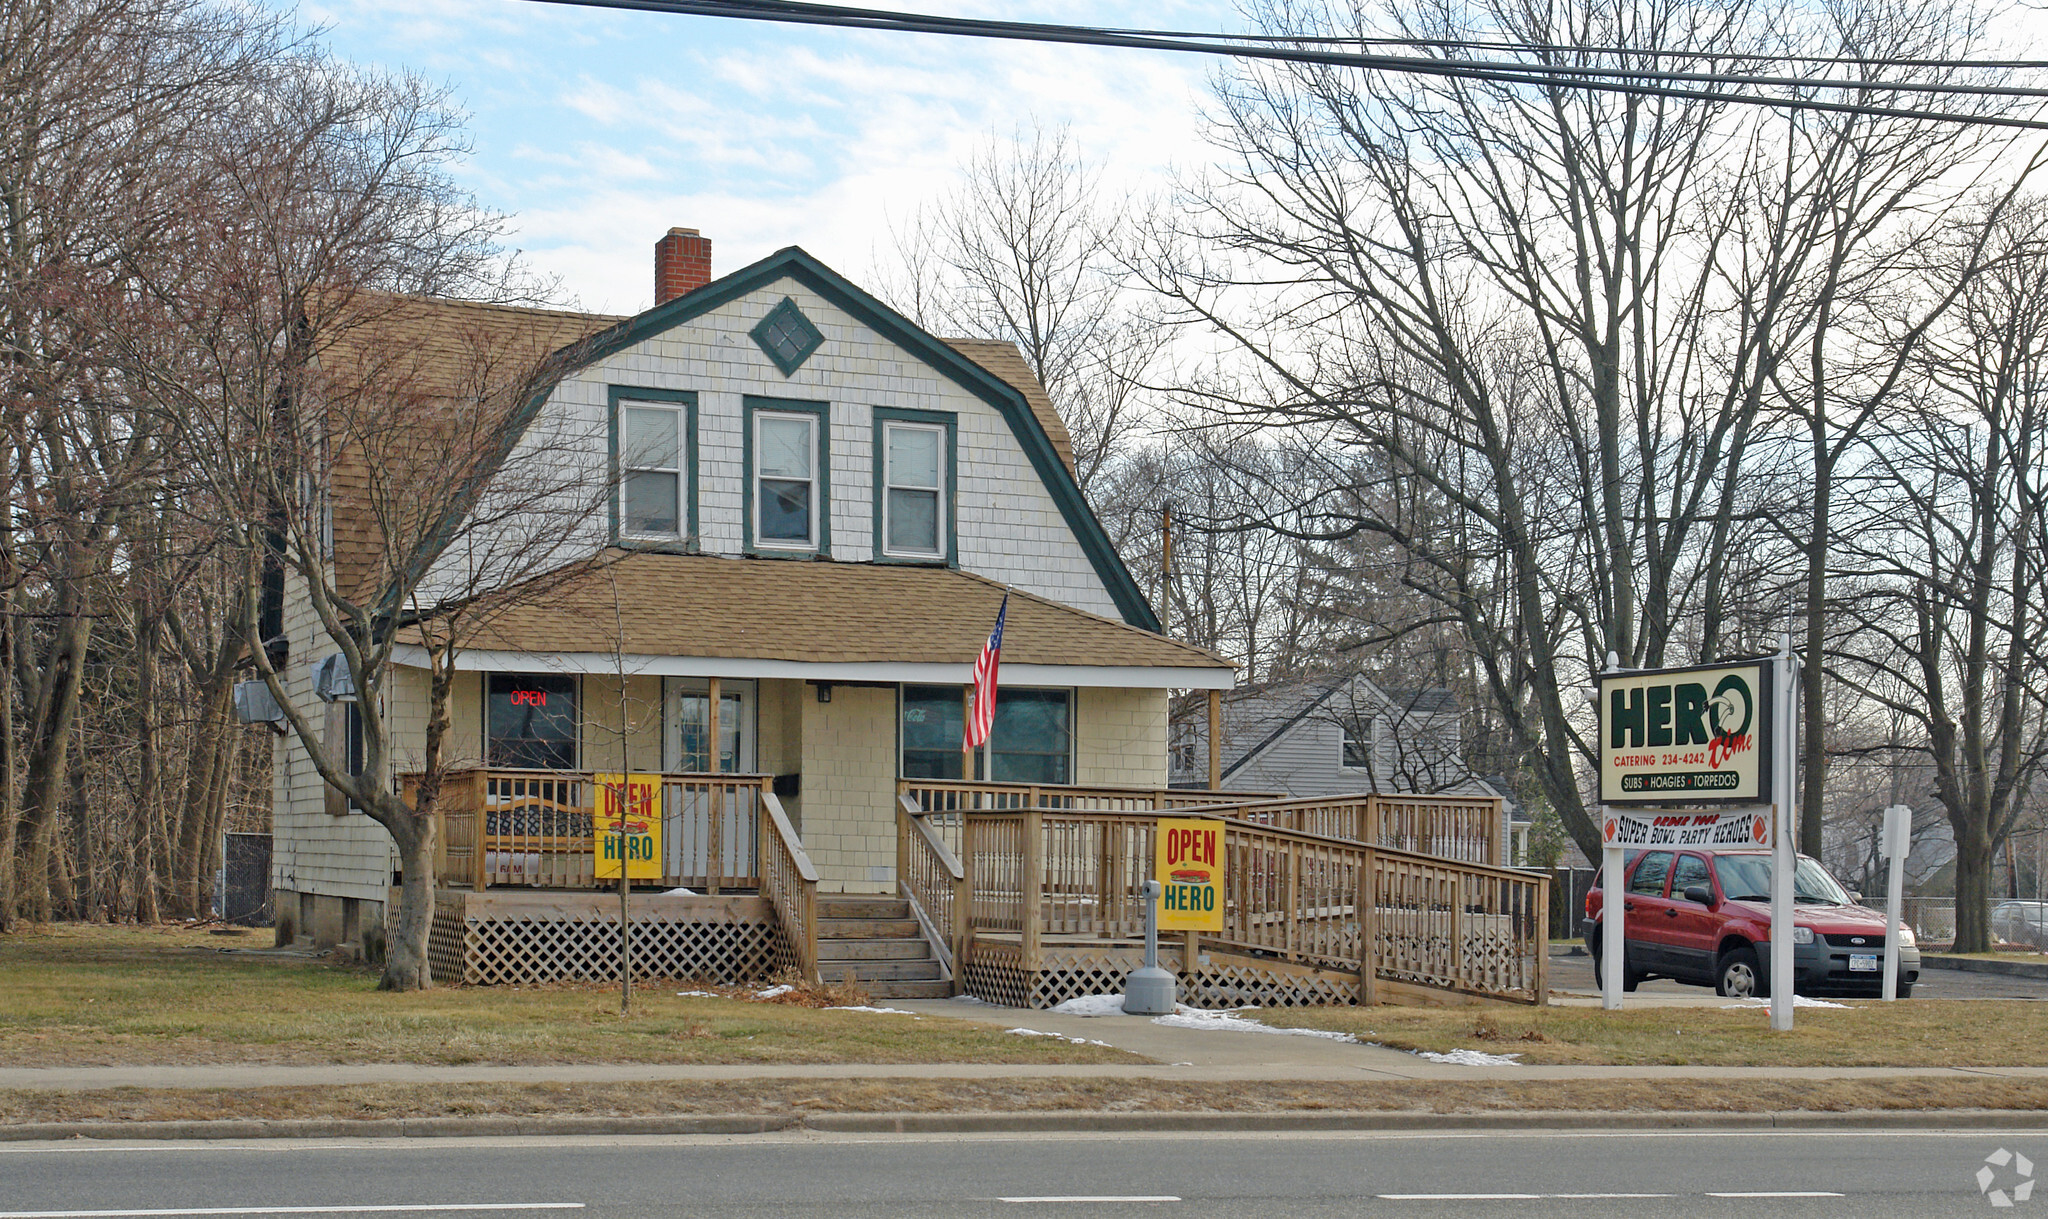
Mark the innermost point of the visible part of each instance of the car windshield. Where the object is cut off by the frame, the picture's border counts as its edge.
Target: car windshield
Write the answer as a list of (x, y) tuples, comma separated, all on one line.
[(1748, 878)]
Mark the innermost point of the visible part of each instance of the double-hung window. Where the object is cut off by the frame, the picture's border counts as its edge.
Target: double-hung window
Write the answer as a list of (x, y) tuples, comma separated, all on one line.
[(786, 491), (1359, 739), (651, 469), (654, 454), (914, 499)]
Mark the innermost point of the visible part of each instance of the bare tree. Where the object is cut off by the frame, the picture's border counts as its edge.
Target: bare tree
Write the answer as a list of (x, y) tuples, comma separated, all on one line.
[(1950, 636), (372, 458), (1556, 321), (1025, 251)]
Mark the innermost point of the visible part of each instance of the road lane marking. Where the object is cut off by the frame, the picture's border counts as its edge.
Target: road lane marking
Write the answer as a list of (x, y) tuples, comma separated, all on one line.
[(1507, 1197), (1075, 1198), (411, 1208), (1780, 1193)]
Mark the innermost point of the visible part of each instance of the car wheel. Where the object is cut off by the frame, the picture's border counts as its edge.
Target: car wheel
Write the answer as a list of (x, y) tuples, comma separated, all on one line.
[(1905, 990), (1630, 979), (1738, 976)]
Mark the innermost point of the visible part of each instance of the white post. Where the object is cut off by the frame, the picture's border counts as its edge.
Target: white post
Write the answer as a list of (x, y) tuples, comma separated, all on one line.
[(1613, 920), (1898, 834), (1784, 858)]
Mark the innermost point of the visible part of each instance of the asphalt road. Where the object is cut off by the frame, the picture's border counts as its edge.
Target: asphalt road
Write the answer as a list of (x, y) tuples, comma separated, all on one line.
[(1576, 973), (1583, 1174)]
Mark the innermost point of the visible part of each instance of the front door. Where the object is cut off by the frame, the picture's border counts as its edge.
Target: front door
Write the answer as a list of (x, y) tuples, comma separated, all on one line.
[(689, 724), (706, 824)]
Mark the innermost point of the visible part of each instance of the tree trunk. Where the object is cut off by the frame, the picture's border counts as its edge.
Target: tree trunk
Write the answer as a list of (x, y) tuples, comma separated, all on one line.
[(205, 799), (405, 952), (1974, 861), (43, 792)]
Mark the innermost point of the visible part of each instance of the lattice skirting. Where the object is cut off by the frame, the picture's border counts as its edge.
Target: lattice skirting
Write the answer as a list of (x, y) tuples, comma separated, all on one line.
[(490, 937), (995, 973)]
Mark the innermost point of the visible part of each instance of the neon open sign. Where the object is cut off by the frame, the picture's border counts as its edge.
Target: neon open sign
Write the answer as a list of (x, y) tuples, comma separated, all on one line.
[(529, 698)]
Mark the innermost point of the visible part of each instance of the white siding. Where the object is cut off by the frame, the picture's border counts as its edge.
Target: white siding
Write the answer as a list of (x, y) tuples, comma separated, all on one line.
[(1008, 525)]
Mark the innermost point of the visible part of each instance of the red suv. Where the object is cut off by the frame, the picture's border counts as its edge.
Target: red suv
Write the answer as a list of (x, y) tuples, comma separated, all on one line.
[(1703, 915)]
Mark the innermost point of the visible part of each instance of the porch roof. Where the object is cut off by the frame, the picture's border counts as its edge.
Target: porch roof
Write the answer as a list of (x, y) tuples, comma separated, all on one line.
[(696, 615)]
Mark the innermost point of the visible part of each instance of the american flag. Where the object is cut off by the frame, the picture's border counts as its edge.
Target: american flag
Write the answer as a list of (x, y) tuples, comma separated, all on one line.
[(981, 716)]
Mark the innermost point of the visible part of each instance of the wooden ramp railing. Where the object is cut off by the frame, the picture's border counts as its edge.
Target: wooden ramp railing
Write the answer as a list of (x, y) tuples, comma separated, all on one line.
[(1465, 828), (534, 828), (1332, 903)]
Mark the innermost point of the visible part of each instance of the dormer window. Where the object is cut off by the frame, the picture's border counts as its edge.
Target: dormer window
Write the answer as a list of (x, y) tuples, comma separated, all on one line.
[(915, 485), (788, 487), (913, 505), (654, 459), (651, 465)]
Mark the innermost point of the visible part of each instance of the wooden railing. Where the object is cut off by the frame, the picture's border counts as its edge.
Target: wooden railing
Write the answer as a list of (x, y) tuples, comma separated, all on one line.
[(535, 828), (1330, 902), (932, 878), (1465, 828), (790, 882), (954, 795)]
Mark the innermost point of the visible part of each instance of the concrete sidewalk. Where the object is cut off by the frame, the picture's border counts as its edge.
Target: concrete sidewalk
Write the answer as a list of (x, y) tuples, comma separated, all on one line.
[(1184, 1054)]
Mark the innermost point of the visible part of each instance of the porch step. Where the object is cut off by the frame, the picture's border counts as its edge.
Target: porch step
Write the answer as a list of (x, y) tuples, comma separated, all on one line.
[(866, 928), (910, 990), (911, 948), (863, 907), (879, 971)]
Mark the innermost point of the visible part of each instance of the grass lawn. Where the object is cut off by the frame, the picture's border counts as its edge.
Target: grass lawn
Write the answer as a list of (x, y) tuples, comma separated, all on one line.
[(1910, 1033), (662, 1098), (106, 996)]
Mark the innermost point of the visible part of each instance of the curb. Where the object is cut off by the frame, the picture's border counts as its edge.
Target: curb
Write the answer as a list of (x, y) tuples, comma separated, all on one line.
[(1984, 965), (1028, 1123)]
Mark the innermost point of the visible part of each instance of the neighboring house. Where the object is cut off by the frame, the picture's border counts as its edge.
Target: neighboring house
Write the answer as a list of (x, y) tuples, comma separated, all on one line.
[(1326, 735), (823, 506)]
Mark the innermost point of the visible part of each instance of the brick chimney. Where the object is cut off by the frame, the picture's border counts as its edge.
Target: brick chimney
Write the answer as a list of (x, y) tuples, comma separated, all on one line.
[(682, 263)]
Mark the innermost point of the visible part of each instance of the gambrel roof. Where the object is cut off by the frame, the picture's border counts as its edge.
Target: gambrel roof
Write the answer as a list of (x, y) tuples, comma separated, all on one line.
[(435, 344)]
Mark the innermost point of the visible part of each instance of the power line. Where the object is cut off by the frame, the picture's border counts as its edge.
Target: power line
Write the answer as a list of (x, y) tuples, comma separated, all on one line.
[(1604, 80)]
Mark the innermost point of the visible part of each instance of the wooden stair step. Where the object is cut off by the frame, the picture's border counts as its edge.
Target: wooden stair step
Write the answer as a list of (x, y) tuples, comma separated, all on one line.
[(867, 928), (863, 907), (893, 949), (880, 971), (910, 990)]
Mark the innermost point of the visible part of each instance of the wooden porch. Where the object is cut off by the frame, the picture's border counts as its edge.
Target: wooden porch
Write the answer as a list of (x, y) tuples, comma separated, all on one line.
[(1027, 894)]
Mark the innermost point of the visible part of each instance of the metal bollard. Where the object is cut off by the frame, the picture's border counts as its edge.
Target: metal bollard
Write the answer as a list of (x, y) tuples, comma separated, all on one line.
[(1149, 990)]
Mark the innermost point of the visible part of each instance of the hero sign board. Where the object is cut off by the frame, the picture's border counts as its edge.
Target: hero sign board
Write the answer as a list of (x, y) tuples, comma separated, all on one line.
[(1686, 736), (1189, 868)]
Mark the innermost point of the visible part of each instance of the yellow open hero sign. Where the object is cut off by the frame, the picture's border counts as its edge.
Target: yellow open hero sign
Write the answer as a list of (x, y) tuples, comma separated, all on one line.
[(640, 845), (1189, 868)]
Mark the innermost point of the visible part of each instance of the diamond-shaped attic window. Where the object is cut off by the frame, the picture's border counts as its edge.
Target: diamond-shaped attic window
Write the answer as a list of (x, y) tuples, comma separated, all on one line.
[(787, 336)]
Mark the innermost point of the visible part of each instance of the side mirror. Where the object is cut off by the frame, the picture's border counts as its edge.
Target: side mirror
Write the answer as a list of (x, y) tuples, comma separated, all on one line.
[(1856, 897), (1699, 893)]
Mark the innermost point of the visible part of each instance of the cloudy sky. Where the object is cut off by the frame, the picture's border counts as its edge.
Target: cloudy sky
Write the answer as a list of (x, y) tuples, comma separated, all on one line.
[(598, 130)]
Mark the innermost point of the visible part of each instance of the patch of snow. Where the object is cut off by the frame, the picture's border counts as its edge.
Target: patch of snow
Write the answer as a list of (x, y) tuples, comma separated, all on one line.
[(1184, 1017), (696, 994), (1797, 1001), (1092, 1005), (879, 1011), (1061, 1036), (1471, 1058), (773, 991), (679, 893), (969, 999)]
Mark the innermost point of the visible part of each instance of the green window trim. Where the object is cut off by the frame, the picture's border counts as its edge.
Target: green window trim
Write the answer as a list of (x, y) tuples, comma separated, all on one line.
[(752, 406), (686, 401), (787, 337), (949, 496)]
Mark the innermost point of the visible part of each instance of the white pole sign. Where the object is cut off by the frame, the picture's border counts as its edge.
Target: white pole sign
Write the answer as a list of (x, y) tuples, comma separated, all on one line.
[(1701, 736), (1898, 839), (1784, 859)]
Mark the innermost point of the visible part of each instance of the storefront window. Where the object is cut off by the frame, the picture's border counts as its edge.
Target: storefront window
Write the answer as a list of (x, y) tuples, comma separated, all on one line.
[(530, 721), (1033, 735)]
